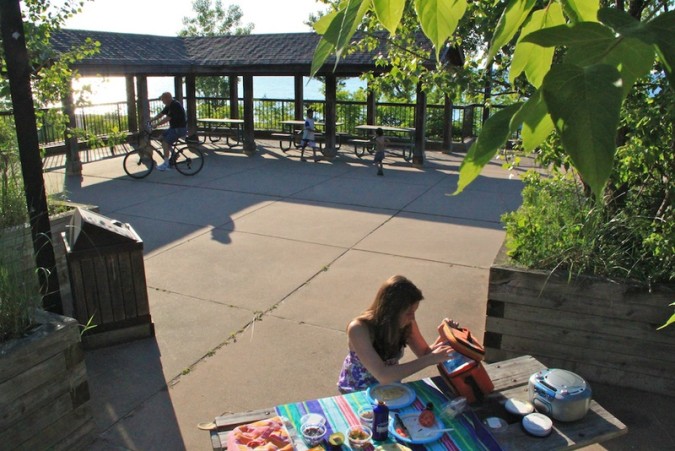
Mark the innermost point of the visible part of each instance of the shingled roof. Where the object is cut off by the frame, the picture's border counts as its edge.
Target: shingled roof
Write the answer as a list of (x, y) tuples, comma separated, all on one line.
[(262, 54)]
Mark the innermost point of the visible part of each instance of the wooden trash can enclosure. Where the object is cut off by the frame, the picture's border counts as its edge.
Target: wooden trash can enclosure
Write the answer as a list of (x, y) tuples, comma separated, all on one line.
[(107, 279)]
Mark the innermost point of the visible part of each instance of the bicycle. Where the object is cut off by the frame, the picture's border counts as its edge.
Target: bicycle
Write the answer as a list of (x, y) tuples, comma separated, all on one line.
[(139, 163)]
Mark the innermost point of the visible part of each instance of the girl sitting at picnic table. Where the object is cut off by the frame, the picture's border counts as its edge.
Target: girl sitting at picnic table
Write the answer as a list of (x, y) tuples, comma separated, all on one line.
[(378, 336)]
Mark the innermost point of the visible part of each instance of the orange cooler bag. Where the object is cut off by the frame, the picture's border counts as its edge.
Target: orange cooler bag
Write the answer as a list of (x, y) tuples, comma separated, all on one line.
[(463, 370)]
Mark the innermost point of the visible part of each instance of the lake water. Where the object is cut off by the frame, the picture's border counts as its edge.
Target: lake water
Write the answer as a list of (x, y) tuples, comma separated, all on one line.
[(113, 89)]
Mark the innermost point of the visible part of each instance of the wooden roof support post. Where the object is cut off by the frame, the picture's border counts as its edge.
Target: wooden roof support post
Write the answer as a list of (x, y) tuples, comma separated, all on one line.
[(73, 162), (249, 126), (447, 124), (420, 125), (191, 106), (18, 73), (132, 113), (178, 88), (330, 118), (143, 106), (371, 107), (299, 97), (234, 96)]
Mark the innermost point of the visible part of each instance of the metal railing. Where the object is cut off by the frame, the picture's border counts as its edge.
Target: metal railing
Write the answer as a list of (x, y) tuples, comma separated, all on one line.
[(101, 119)]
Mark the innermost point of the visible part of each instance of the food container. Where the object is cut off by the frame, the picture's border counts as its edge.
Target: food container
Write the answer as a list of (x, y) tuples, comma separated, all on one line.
[(560, 394), (313, 434), (366, 415), (359, 436)]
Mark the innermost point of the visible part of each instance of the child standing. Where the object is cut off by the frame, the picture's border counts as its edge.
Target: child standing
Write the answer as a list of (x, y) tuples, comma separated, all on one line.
[(308, 135), (380, 143)]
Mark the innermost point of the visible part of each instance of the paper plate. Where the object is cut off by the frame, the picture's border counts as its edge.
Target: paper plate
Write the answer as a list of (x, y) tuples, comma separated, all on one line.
[(419, 434), (396, 396)]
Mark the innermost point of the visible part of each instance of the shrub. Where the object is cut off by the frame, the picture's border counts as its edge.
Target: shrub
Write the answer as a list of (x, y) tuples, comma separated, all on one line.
[(559, 227)]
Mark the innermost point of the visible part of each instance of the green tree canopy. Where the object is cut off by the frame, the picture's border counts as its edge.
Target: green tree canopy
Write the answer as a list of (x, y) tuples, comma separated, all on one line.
[(211, 19)]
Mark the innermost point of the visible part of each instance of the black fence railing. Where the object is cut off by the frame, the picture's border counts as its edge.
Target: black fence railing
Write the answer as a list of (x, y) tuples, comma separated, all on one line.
[(102, 119)]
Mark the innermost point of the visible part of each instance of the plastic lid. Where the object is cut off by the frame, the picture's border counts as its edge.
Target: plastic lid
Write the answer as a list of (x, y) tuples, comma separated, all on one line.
[(313, 418), (518, 407), (496, 424), (537, 424)]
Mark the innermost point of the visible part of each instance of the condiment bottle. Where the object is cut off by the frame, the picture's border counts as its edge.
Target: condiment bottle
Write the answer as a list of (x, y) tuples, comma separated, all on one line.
[(380, 421)]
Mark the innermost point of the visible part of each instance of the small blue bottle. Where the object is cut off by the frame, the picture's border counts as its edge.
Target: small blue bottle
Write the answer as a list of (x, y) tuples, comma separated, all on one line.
[(380, 421)]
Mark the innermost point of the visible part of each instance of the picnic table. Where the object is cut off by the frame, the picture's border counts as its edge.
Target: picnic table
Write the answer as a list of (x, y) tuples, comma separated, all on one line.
[(292, 134), (510, 378), (397, 137), (215, 129)]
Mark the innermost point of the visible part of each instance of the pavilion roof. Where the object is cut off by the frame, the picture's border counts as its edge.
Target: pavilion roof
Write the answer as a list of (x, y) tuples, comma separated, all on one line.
[(255, 54)]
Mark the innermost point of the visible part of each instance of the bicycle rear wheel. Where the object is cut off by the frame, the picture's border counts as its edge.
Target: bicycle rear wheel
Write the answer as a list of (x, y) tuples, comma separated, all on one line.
[(138, 163), (188, 160)]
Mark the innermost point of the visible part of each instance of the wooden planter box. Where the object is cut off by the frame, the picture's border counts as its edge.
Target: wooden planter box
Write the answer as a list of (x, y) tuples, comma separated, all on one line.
[(44, 395), (602, 330)]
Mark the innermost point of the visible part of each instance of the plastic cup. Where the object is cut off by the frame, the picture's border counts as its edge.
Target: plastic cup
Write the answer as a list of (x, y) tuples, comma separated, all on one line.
[(359, 436), (366, 416), (313, 434)]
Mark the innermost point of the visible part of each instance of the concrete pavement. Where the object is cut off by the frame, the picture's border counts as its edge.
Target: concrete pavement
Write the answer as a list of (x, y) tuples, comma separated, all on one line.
[(255, 265)]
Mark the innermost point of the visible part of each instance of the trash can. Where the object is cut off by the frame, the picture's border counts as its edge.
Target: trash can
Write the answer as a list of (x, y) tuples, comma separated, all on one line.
[(107, 279)]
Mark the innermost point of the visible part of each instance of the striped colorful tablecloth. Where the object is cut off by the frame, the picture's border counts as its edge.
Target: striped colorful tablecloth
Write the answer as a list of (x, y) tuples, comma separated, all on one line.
[(341, 412)]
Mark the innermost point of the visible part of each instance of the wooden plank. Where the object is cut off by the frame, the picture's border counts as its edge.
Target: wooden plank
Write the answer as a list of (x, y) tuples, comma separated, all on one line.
[(653, 310), (139, 283), (558, 286), (39, 387), (46, 341), (580, 320), (128, 295), (621, 345), (63, 434), (34, 422), (115, 283), (102, 281), (631, 368)]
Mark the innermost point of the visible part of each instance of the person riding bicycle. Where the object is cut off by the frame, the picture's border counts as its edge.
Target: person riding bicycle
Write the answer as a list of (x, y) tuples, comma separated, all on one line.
[(174, 114)]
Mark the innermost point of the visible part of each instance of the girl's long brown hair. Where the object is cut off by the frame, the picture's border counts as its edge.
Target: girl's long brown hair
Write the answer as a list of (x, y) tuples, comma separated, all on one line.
[(383, 316)]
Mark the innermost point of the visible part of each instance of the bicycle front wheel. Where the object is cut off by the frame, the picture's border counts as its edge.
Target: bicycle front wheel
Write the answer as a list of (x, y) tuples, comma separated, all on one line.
[(188, 160), (138, 163)]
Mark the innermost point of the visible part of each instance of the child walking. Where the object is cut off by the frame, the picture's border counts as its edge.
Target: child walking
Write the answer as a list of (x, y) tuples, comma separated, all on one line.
[(308, 136), (380, 143)]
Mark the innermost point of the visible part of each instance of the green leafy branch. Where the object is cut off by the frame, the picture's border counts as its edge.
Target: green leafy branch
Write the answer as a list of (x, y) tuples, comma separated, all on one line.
[(605, 51)]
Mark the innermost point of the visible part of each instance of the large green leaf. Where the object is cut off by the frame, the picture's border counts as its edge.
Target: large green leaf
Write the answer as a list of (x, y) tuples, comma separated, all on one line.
[(493, 135), (338, 32), (537, 124), (582, 34), (389, 13), (633, 58), (530, 58), (584, 103), (663, 28), (582, 10), (342, 27), (321, 25), (509, 23), (323, 51), (619, 20), (439, 19)]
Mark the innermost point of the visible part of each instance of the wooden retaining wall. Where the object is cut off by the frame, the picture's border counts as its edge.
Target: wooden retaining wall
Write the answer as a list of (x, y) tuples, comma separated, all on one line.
[(44, 395), (601, 330)]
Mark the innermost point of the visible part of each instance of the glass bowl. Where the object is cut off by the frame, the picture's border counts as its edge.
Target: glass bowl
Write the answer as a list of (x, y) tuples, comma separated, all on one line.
[(366, 416)]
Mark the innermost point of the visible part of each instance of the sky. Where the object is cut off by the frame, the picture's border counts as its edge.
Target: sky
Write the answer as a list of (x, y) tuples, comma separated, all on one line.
[(162, 17)]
